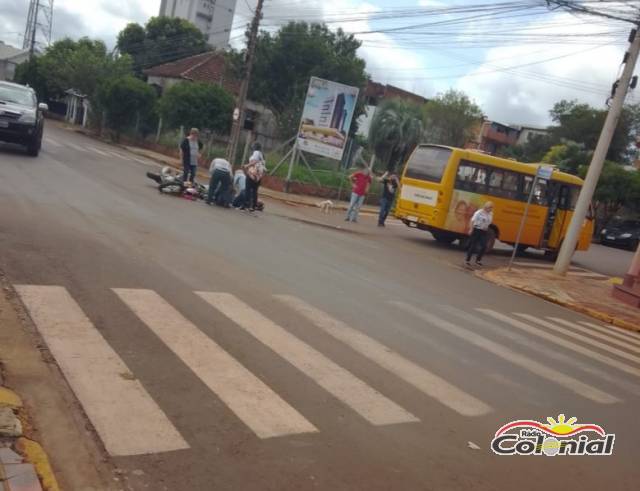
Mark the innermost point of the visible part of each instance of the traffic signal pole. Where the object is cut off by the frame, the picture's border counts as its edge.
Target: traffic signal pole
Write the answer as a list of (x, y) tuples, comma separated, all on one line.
[(597, 162), (232, 150)]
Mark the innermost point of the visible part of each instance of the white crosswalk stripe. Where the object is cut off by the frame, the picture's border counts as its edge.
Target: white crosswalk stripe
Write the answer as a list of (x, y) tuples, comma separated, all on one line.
[(615, 332), (125, 416), (596, 334), (251, 400), (410, 372), (373, 406), (512, 356), (562, 342), (583, 339)]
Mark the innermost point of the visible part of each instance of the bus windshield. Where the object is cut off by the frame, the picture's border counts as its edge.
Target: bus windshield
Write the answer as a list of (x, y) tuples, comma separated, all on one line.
[(428, 163)]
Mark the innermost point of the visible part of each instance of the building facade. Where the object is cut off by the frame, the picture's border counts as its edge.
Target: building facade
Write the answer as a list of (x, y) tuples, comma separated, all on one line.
[(213, 17), (10, 58)]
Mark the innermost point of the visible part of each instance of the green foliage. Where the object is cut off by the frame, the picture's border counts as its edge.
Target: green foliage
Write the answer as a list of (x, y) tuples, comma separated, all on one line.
[(161, 40), (569, 157), (197, 105), (81, 65), (395, 131), (533, 150), (617, 188), (582, 123), (127, 101), (31, 73), (287, 59), (449, 119)]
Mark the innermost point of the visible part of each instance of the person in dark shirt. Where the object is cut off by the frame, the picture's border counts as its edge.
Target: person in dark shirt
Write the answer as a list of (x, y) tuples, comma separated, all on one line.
[(390, 185), (190, 149)]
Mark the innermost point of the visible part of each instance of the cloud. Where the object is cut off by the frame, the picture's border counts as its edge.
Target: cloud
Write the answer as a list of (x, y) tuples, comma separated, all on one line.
[(524, 94)]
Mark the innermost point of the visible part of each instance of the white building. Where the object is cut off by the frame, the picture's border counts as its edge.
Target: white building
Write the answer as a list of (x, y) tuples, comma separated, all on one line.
[(212, 17), (10, 58)]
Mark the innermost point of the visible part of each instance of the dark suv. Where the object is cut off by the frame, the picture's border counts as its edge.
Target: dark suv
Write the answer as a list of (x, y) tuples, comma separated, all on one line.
[(623, 233), (21, 117)]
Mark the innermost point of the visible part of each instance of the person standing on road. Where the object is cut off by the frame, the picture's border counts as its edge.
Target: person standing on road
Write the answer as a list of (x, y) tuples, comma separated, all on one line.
[(390, 185), (254, 171), (360, 180), (190, 149), (480, 222), (220, 171)]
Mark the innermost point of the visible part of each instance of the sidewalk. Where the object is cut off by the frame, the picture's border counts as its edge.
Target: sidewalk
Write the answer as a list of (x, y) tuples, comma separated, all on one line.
[(589, 296)]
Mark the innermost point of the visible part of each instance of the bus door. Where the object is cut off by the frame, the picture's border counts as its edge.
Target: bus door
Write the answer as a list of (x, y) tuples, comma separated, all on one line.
[(559, 206)]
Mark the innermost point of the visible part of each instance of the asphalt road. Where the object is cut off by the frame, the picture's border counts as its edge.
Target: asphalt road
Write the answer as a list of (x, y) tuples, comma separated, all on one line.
[(214, 349)]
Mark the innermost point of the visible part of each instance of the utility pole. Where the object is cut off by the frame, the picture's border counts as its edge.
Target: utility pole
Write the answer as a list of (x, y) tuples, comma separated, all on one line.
[(244, 85), (595, 168)]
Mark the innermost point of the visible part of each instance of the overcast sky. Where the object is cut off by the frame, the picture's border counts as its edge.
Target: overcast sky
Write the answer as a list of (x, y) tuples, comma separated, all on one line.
[(515, 65)]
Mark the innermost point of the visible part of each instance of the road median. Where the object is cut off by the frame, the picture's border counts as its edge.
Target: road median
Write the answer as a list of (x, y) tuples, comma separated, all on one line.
[(589, 296)]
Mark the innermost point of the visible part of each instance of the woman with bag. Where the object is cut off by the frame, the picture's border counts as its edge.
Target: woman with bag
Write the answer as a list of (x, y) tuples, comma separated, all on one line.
[(254, 171)]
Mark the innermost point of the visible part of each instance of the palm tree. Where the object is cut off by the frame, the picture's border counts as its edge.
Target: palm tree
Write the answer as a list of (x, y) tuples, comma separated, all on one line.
[(395, 131)]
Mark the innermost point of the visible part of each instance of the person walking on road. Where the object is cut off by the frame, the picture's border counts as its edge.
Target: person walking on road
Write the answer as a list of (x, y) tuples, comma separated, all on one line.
[(360, 180), (190, 149), (480, 222), (390, 185), (254, 171), (220, 171)]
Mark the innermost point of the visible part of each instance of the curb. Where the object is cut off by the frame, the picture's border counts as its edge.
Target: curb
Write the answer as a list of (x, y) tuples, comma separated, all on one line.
[(34, 454), (596, 314)]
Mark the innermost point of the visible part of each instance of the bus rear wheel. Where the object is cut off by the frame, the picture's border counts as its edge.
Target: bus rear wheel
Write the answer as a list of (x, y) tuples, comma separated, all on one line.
[(443, 237)]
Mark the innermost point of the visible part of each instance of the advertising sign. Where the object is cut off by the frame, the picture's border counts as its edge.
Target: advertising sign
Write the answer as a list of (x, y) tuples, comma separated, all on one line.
[(326, 118)]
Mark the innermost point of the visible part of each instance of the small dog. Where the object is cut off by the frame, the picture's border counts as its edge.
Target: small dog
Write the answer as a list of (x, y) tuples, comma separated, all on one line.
[(326, 206)]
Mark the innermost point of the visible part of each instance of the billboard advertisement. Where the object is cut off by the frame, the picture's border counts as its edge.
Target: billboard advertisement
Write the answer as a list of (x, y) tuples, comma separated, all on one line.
[(326, 118)]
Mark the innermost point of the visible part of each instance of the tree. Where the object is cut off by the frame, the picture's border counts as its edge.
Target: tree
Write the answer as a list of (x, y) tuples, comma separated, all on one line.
[(66, 64), (287, 59), (161, 40), (126, 101), (395, 131), (197, 105), (582, 123), (31, 73), (569, 156), (449, 119), (533, 150)]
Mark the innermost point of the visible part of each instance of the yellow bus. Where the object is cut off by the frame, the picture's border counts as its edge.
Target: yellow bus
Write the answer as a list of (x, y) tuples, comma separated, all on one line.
[(441, 187)]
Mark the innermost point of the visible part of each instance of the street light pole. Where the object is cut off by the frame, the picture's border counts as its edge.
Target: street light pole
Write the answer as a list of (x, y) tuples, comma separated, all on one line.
[(244, 85), (595, 168)]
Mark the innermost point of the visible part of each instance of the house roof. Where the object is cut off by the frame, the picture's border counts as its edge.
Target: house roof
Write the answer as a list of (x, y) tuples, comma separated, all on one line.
[(209, 67), (381, 91), (7, 52)]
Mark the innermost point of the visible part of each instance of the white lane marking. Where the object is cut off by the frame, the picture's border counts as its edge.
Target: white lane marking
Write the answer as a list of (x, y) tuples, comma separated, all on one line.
[(141, 161), (615, 331), (369, 403), (115, 154), (591, 332), (508, 354), (98, 151), (579, 337), (51, 141), (76, 147), (543, 349), (425, 381), (246, 395), (125, 416), (562, 342)]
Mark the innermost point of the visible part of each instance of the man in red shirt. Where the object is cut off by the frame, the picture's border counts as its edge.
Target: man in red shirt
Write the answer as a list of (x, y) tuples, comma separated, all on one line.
[(360, 180)]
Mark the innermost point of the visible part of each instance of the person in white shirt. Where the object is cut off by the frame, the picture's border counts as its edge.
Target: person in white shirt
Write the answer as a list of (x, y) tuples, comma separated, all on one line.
[(480, 222), (254, 171), (220, 172), (239, 184)]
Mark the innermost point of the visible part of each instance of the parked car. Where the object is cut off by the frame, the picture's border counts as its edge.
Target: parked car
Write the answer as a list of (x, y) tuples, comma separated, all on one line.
[(21, 117), (621, 233)]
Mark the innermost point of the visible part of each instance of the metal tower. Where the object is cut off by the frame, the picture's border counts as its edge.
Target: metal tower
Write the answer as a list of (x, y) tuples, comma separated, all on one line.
[(39, 21)]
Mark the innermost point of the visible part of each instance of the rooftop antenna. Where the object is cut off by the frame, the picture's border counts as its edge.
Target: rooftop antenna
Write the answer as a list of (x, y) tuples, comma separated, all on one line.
[(37, 32)]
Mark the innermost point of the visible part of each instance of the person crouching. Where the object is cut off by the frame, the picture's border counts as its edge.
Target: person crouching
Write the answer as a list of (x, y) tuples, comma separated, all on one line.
[(220, 172)]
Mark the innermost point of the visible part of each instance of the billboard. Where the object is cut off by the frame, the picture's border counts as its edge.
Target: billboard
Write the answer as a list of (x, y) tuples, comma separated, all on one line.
[(326, 118)]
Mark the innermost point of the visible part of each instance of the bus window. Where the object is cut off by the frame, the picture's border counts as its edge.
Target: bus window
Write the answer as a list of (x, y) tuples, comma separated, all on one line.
[(495, 182), (539, 193), (464, 177), (428, 163), (510, 184)]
